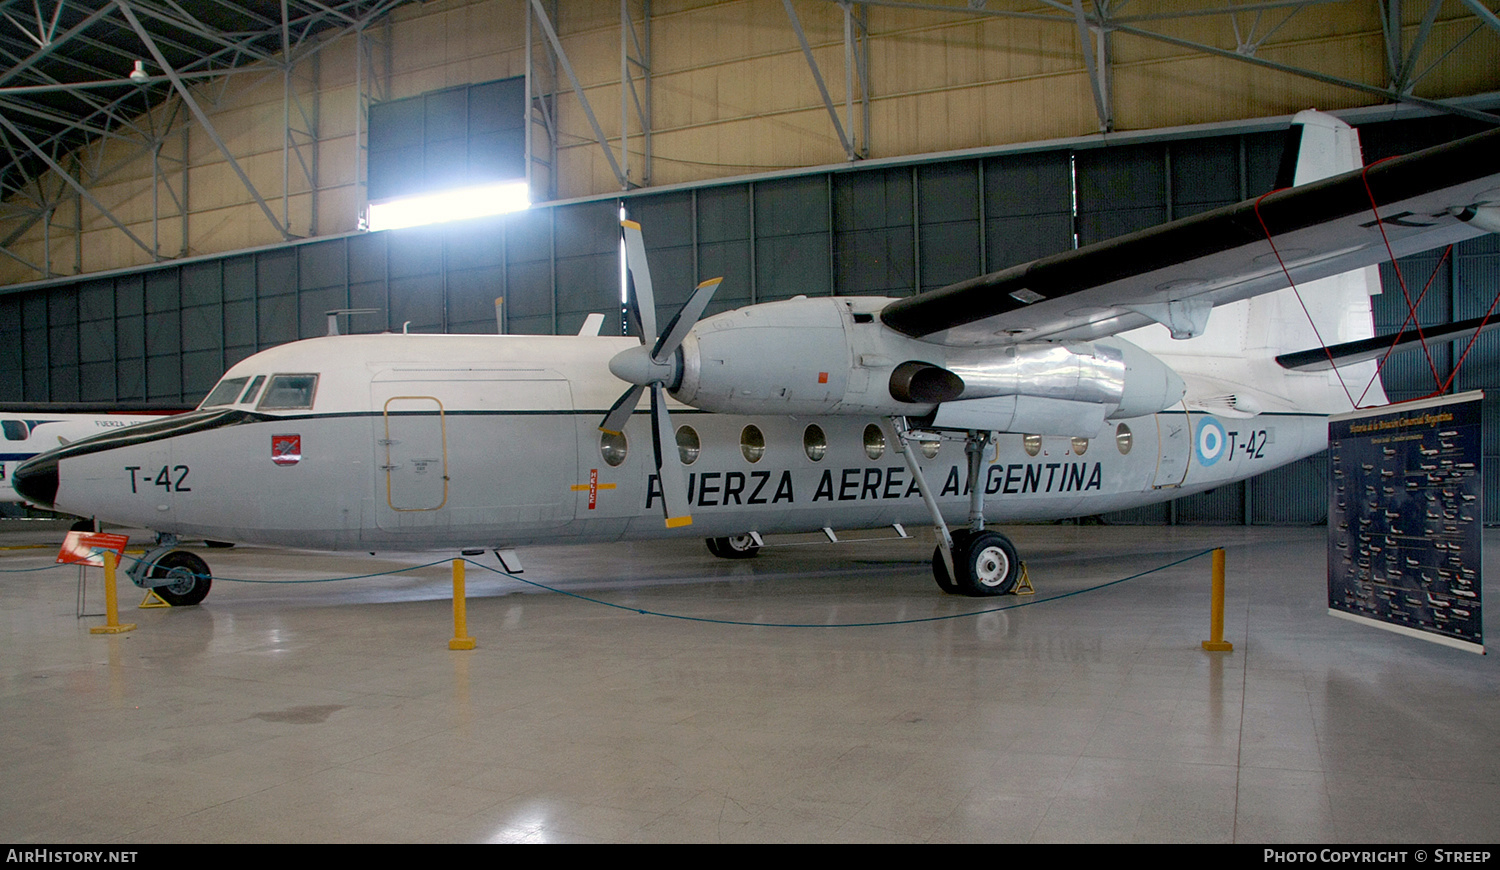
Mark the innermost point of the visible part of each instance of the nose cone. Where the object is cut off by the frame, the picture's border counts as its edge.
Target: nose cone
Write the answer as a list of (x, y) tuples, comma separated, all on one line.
[(635, 366), (36, 480)]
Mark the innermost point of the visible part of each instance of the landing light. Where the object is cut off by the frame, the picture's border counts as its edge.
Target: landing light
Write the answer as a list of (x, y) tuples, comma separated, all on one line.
[(451, 205)]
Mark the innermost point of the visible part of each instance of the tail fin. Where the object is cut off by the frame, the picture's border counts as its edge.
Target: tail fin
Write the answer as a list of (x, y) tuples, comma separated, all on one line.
[(1245, 337), (1337, 309)]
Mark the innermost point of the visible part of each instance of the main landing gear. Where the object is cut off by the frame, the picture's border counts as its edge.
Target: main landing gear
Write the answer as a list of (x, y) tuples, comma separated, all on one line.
[(177, 576), (972, 561), (734, 546)]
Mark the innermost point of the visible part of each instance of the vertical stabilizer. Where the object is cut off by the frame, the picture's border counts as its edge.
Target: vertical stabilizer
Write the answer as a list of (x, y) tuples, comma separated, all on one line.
[(1234, 357), (1318, 146)]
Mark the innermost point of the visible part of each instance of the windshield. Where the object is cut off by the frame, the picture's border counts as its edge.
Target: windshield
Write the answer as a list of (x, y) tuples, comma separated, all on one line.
[(289, 393), (225, 393)]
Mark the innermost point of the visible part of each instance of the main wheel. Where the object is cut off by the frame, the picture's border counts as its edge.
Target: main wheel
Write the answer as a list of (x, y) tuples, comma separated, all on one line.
[(188, 578), (940, 569), (733, 547), (985, 562)]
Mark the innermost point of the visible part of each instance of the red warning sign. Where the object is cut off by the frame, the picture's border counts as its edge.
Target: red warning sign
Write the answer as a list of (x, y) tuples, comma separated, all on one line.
[(87, 548)]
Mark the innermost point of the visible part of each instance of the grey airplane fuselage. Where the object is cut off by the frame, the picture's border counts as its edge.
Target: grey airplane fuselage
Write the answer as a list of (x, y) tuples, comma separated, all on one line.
[(435, 441)]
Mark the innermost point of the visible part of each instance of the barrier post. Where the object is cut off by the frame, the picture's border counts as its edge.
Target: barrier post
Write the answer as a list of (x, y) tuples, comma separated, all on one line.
[(111, 609), (1216, 642), (461, 639)]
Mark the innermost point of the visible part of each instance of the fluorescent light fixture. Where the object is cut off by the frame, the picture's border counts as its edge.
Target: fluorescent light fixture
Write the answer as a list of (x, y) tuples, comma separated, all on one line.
[(449, 205)]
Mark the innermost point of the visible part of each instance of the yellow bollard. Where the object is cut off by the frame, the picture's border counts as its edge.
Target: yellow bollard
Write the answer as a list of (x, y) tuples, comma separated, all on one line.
[(1216, 643), (111, 610), (461, 639)]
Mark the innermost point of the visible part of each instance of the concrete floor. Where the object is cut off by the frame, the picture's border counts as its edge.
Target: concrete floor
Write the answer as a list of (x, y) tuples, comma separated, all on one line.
[(329, 712)]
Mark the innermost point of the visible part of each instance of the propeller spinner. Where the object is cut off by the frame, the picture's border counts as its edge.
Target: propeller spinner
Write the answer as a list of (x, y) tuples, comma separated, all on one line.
[(658, 369)]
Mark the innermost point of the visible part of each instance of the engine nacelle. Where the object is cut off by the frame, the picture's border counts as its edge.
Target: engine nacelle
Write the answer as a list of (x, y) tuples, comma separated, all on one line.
[(833, 356)]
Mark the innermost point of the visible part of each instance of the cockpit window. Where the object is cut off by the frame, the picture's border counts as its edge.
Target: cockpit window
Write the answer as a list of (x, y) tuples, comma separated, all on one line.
[(225, 393), (15, 430), (289, 393), (253, 389)]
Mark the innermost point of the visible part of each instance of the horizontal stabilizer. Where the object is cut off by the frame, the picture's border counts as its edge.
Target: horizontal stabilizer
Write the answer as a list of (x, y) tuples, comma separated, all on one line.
[(1322, 359)]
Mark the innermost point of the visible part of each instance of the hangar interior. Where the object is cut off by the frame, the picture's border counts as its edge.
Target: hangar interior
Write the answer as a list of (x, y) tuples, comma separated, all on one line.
[(158, 229)]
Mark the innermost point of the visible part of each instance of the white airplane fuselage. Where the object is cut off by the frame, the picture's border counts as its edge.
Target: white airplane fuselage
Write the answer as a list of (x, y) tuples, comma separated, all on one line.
[(450, 441)]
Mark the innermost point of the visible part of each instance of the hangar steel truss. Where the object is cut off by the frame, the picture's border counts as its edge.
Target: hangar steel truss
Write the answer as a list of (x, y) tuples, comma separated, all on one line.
[(91, 86)]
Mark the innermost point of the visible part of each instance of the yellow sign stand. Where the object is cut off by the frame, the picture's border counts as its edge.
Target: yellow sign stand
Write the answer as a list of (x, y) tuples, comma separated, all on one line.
[(112, 623)]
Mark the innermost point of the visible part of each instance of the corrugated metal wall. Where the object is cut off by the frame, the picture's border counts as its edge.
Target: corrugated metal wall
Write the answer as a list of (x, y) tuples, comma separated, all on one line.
[(167, 333)]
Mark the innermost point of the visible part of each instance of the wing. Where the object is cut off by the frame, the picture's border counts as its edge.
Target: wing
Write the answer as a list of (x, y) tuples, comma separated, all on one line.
[(1173, 273)]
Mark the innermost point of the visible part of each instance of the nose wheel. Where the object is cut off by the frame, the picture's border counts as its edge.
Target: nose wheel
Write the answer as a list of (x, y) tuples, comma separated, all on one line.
[(985, 563), (178, 577)]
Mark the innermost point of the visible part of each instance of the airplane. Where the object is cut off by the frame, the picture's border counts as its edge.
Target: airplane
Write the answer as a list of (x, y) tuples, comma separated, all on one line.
[(29, 429), (1144, 368)]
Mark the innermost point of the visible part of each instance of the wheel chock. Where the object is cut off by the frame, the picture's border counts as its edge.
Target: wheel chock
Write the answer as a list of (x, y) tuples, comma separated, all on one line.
[(152, 601), (1023, 586)]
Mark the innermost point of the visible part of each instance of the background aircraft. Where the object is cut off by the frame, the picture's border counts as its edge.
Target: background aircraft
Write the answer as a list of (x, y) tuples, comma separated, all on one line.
[(1119, 374)]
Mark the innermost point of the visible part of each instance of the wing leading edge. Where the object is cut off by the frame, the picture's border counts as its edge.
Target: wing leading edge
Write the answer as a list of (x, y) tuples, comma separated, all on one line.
[(1173, 272)]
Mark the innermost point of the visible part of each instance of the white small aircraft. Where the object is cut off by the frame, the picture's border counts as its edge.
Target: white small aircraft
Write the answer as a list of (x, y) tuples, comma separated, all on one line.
[(1089, 381)]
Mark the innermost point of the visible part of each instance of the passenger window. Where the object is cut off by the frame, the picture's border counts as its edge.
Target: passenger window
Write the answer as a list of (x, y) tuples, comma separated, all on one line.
[(814, 442), (874, 442), (253, 390), (225, 393), (613, 447), (289, 393), (752, 443), (688, 445)]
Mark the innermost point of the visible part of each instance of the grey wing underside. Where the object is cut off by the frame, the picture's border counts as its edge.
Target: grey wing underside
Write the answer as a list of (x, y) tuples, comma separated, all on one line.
[(1169, 272)]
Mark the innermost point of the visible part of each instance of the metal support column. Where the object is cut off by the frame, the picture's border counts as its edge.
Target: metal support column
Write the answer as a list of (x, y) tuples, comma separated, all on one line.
[(632, 96)]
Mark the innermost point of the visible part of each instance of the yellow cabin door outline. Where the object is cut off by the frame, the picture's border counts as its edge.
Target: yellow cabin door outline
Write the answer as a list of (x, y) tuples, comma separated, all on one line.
[(416, 453)]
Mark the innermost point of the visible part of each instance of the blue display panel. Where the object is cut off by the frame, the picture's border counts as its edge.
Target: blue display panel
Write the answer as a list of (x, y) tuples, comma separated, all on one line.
[(1405, 517)]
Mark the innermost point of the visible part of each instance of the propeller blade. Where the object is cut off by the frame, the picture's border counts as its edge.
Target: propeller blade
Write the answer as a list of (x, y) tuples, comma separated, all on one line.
[(668, 463), (686, 316), (633, 315), (620, 411), (635, 260)]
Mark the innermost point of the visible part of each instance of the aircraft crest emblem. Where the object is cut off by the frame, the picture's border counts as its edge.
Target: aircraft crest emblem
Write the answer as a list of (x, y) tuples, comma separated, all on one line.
[(286, 449)]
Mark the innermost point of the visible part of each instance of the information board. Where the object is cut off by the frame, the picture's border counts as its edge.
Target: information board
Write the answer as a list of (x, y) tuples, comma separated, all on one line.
[(1406, 508)]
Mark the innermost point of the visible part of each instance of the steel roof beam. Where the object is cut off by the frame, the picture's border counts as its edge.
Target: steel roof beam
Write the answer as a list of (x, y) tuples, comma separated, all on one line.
[(73, 183), (812, 64), (187, 97)]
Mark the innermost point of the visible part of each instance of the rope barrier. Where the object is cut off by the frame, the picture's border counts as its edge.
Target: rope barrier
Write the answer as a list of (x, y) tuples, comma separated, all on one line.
[(645, 612), (1028, 603)]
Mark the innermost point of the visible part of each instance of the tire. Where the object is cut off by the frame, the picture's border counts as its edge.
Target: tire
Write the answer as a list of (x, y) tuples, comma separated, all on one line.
[(940, 570), (940, 573), (985, 562), (734, 547), (189, 575)]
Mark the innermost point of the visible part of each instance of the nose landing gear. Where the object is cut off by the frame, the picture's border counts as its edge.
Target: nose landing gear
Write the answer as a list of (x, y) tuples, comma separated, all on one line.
[(178, 577)]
